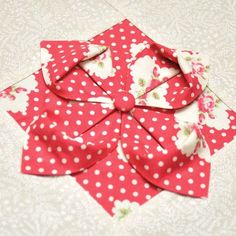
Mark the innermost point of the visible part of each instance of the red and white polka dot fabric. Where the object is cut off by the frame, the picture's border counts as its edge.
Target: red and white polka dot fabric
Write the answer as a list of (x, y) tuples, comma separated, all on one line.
[(125, 116)]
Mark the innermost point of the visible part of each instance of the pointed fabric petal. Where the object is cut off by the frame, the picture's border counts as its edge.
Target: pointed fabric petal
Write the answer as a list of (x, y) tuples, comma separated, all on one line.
[(62, 72), (174, 91), (166, 167), (58, 146)]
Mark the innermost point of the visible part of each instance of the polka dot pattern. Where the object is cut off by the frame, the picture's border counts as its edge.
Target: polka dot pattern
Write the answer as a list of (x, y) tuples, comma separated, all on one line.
[(66, 150), (167, 168), (65, 77), (78, 126), (112, 179)]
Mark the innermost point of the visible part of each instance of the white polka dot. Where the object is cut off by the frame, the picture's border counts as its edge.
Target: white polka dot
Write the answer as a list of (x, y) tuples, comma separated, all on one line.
[(109, 174), (150, 155), (83, 146), (68, 172), (202, 174), (190, 181), (190, 169), (110, 186), (212, 131), (190, 192), (161, 139), (38, 149), (146, 185), (98, 195), (223, 134), (54, 172), (28, 168), (166, 182), (99, 152), (27, 158), (203, 186), (156, 176), (202, 163), (160, 163), (178, 187), (89, 156), (122, 190), (111, 198), (78, 122), (76, 160), (178, 176), (64, 160), (142, 120), (56, 112), (122, 178), (39, 159), (174, 159), (90, 122), (163, 127), (108, 163), (134, 181), (41, 170), (146, 167)]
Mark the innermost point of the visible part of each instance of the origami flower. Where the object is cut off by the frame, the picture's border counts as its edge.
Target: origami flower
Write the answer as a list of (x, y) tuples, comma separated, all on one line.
[(102, 109), (126, 120)]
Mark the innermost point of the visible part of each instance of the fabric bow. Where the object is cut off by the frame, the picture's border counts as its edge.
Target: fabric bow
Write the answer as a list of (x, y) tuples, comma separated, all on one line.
[(132, 108)]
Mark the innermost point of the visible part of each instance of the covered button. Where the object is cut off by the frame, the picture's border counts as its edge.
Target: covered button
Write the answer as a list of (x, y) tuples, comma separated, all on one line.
[(124, 101)]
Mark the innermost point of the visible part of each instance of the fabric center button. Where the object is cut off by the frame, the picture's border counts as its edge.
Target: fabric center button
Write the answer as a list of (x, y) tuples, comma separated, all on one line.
[(124, 101)]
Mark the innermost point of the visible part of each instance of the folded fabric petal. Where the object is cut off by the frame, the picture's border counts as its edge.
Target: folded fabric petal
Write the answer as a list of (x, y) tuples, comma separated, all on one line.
[(182, 77), (60, 67)]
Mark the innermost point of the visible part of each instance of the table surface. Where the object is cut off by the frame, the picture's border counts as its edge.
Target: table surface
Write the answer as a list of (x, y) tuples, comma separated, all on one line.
[(31, 205)]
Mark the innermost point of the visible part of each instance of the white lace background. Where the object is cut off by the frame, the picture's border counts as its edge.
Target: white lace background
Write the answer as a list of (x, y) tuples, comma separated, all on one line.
[(41, 206)]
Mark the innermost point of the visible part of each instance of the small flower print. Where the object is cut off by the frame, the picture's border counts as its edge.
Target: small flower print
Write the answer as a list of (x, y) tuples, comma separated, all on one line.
[(207, 105), (123, 208), (198, 68), (11, 91)]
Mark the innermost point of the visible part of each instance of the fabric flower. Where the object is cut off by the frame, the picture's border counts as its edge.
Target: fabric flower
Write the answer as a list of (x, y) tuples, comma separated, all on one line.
[(124, 119), (100, 112)]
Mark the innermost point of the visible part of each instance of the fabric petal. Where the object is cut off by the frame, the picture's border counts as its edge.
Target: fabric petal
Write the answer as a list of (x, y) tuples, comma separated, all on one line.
[(177, 90), (62, 71), (167, 168), (57, 146)]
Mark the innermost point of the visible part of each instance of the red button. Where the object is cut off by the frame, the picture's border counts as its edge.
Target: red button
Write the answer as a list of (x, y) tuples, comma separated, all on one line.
[(124, 101)]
